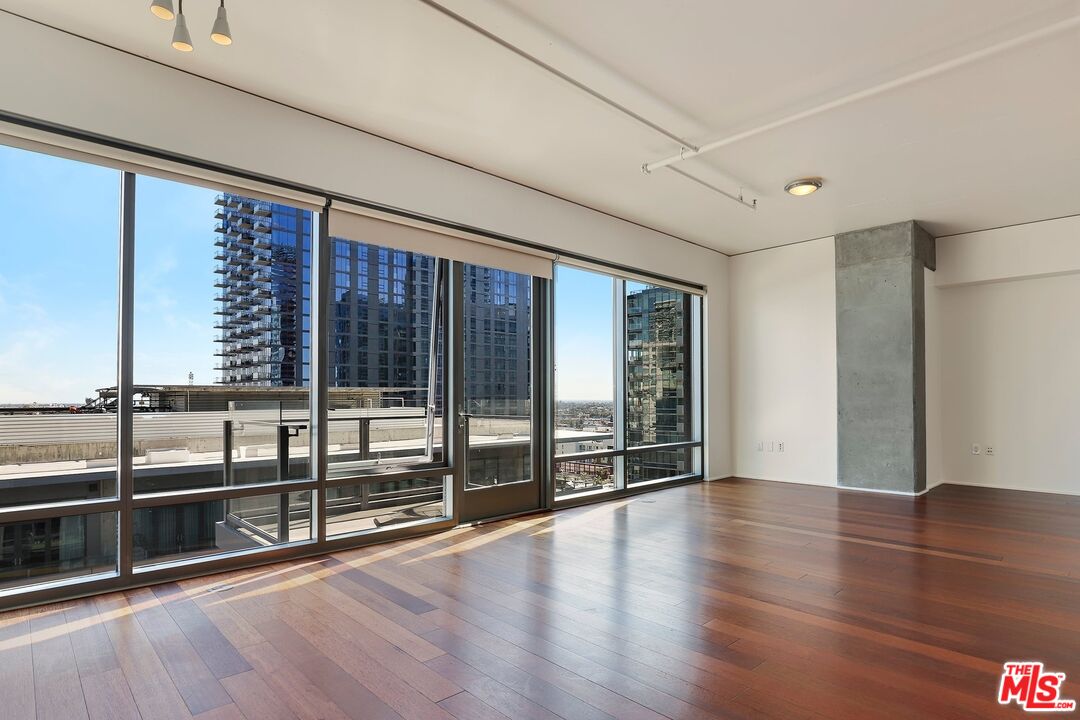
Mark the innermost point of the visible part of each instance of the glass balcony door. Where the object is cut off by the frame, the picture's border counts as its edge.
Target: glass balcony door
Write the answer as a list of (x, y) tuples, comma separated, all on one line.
[(497, 412)]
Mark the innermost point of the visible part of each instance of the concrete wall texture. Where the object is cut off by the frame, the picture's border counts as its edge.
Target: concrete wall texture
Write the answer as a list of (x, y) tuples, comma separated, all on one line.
[(880, 352)]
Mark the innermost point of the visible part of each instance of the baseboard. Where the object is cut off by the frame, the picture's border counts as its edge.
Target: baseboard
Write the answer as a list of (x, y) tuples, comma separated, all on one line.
[(901, 493), (1020, 488), (778, 480)]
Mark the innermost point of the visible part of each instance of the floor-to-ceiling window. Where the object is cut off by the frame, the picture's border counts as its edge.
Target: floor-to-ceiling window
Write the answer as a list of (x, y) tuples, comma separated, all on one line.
[(195, 375), (660, 381), (58, 341), (586, 358), (386, 461), (627, 383), (221, 372)]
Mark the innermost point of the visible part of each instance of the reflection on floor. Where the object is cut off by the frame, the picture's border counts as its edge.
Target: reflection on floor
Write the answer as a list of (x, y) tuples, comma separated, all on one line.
[(734, 599)]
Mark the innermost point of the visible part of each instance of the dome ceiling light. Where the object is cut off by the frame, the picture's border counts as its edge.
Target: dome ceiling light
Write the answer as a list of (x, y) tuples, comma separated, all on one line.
[(803, 186)]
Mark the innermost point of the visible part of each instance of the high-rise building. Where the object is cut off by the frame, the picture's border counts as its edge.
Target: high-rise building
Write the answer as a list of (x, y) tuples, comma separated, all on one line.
[(497, 336), (658, 379), (380, 320), (264, 290)]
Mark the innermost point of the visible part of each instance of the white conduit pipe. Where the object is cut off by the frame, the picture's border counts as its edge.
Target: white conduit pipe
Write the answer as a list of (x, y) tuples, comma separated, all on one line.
[(686, 153), (599, 96)]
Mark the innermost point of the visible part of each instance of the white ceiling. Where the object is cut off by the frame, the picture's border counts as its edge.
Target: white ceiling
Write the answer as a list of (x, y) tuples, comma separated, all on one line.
[(991, 143)]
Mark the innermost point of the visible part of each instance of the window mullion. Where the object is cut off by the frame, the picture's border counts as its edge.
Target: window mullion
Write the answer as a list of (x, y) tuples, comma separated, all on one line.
[(320, 370), (619, 355), (125, 376)]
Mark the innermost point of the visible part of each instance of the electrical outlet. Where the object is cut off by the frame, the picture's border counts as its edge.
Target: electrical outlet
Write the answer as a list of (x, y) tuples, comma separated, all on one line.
[(780, 446), (989, 449), (975, 449)]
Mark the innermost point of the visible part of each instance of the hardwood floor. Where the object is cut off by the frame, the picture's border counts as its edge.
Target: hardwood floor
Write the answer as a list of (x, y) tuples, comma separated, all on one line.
[(733, 599)]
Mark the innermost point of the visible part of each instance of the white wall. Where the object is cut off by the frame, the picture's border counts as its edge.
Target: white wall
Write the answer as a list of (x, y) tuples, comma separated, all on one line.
[(1010, 354), (1002, 360), (90, 87), (783, 329), (1038, 249)]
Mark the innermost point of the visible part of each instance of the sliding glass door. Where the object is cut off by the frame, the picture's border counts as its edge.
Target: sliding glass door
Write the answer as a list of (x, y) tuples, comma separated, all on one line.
[(385, 349), (497, 415)]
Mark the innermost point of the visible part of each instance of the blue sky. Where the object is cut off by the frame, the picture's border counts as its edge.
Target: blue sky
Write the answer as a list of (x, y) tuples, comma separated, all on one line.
[(584, 358), (58, 279), (58, 287)]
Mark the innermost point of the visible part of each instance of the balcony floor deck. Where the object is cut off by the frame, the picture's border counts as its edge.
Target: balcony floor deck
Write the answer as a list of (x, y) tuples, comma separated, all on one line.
[(733, 599)]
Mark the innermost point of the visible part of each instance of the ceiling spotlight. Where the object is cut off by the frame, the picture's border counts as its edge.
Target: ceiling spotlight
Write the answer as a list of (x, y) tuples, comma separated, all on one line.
[(803, 186), (162, 9), (181, 38), (220, 33)]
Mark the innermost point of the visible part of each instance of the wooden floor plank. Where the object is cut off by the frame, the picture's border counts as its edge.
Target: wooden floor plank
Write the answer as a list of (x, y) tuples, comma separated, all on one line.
[(151, 686), (17, 694), (340, 687), (466, 706), (58, 689), (108, 696), (255, 698), (734, 599), (219, 655), (197, 685), (290, 684)]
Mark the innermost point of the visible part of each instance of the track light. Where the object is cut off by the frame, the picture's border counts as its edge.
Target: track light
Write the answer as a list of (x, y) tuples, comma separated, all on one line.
[(220, 32), (162, 9), (181, 38)]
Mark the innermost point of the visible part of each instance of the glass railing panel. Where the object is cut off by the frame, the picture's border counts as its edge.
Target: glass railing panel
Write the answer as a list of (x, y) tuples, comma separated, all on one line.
[(382, 505)]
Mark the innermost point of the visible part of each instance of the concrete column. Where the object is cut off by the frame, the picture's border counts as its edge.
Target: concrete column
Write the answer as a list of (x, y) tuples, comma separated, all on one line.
[(880, 356)]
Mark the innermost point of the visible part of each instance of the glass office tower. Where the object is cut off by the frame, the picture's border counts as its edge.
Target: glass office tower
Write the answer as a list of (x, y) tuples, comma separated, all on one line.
[(658, 377), (380, 319), (264, 291)]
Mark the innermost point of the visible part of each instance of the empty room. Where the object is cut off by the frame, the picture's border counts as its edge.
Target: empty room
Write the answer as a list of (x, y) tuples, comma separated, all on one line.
[(539, 359)]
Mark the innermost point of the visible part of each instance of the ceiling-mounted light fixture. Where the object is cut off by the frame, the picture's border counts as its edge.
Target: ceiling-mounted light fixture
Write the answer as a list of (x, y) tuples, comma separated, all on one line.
[(162, 9), (181, 38), (803, 186), (220, 32)]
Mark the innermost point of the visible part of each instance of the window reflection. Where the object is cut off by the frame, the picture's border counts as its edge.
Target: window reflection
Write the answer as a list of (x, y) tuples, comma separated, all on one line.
[(498, 375), (199, 529), (386, 359), (56, 548)]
